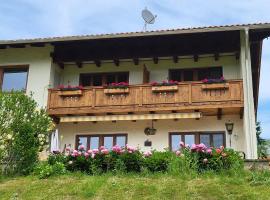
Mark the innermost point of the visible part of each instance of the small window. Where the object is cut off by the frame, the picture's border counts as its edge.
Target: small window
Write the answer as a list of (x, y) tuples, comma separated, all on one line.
[(188, 75), (100, 79), (95, 141), (14, 79)]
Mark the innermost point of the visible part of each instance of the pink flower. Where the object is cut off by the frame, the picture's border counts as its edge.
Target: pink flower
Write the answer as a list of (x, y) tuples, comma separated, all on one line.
[(105, 151), (90, 151), (187, 146), (86, 155), (193, 147), (101, 147), (79, 153), (209, 151), (205, 160), (130, 151), (147, 154), (178, 153), (182, 144), (218, 151), (224, 154), (81, 147), (130, 148), (221, 147), (75, 151), (116, 149), (93, 155), (68, 149), (95, 151)]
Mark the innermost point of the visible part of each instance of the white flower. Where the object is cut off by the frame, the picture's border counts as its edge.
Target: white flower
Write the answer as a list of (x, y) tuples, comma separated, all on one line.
[(9, 136)]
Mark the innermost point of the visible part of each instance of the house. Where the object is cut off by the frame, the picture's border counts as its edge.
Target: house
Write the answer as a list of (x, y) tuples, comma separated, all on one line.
[(150, 116)]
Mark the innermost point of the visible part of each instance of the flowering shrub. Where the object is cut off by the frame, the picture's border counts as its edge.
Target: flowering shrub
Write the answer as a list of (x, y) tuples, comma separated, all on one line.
[(197, 158), (69, 87), (44, 170), (219, 80), (164, 83), (206, 158), (121, 85), (24, 131)]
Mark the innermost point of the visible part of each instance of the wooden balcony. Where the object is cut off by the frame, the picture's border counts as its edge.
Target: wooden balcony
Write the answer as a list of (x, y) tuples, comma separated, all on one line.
[(187, 96)]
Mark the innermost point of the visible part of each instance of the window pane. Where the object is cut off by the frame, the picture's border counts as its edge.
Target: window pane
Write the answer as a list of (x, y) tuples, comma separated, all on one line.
[(189, 139), (86, 79), (175, 142), (97, 80), (122, 77), (94, 142), (108, 142), (205, 139), (188, 75), (121, 141), (82, 141), (14, 80), (110, 78), (215, 72), (175, 75), (218, 140)]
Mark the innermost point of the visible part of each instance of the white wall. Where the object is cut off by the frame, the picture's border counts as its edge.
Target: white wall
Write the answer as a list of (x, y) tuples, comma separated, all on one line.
[(158, 72), (39, 61), (136, 136)]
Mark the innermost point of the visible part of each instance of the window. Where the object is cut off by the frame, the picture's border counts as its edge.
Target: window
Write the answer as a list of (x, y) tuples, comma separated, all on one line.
[(197, 74), (100, 79), (13, 79), (95, 141), (210, 139)]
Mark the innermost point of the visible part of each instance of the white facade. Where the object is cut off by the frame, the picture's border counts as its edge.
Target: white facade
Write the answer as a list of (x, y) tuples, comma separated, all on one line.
[(44, 74)]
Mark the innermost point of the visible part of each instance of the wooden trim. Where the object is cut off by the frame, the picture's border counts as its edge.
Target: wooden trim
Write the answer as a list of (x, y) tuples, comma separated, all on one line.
[(197, 136), (116, 91), (165, 88), (101, 138), (215, 86), (70, 93)]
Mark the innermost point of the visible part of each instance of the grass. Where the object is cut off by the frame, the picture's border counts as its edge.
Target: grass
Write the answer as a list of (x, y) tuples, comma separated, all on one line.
[(156, 186)]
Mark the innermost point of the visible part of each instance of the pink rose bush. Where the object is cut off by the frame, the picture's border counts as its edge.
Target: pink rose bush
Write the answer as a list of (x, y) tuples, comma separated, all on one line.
[(209, 158)]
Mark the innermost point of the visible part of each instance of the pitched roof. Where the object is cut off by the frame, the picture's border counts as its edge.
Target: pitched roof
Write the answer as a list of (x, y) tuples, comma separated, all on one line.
[(234, 27)]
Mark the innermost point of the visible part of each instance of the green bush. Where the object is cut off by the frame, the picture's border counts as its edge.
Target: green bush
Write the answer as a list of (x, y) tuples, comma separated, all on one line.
[(24, 131), (158, 161), (45, 170), (133, 162), (56, 157)]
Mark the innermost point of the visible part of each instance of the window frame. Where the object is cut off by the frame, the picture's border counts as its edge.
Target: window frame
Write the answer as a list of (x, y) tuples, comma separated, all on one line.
[(195, 72), (197, 136), (101, 138), (103, 77), (13, 67)]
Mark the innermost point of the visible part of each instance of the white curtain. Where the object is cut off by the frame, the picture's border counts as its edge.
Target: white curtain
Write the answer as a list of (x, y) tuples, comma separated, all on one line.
[(54, 141)]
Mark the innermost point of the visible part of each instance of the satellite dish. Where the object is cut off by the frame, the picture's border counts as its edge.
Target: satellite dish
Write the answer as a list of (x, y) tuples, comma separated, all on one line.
[(148, 18)]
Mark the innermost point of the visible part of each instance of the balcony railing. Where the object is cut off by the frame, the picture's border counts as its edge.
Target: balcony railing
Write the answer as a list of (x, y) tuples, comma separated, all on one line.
[(146, 98)]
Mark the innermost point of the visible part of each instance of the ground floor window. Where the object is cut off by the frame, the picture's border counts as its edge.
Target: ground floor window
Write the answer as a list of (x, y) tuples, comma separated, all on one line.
[(210, 139), (95, 141)]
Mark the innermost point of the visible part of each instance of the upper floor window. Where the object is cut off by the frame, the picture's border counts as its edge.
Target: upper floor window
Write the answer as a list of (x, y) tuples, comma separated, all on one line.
[(197, 74), (13, 79), (100, 79)]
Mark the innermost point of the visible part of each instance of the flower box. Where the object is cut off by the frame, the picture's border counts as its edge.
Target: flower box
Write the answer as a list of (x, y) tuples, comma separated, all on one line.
[(70, 93), (215, 86), (169, 88), (116, 91)]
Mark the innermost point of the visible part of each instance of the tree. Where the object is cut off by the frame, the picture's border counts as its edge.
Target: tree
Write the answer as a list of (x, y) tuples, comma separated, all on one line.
[(24, 130), (262, 144)]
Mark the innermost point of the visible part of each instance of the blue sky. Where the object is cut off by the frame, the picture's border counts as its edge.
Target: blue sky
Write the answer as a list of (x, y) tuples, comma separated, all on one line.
[(43, 18)]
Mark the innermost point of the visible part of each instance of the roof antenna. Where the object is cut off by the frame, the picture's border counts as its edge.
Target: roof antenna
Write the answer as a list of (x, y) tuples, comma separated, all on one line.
[(148, 18)]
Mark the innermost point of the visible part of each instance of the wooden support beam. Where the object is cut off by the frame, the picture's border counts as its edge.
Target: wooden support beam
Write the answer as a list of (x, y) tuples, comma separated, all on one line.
[(241, 113), (79, 64), (37, 45), (155, 59), (136, 61), (219, 113), (237, 55), (175, 59), (216, 56), (98, 63), (196, 58), (61, 65), (116, 62), (17, 45)]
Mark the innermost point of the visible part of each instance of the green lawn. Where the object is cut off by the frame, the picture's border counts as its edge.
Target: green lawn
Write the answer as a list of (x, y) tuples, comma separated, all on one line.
[(158, 186)]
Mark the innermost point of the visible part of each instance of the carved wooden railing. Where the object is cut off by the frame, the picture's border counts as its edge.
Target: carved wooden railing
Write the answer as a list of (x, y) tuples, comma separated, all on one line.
[(186, 95)]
